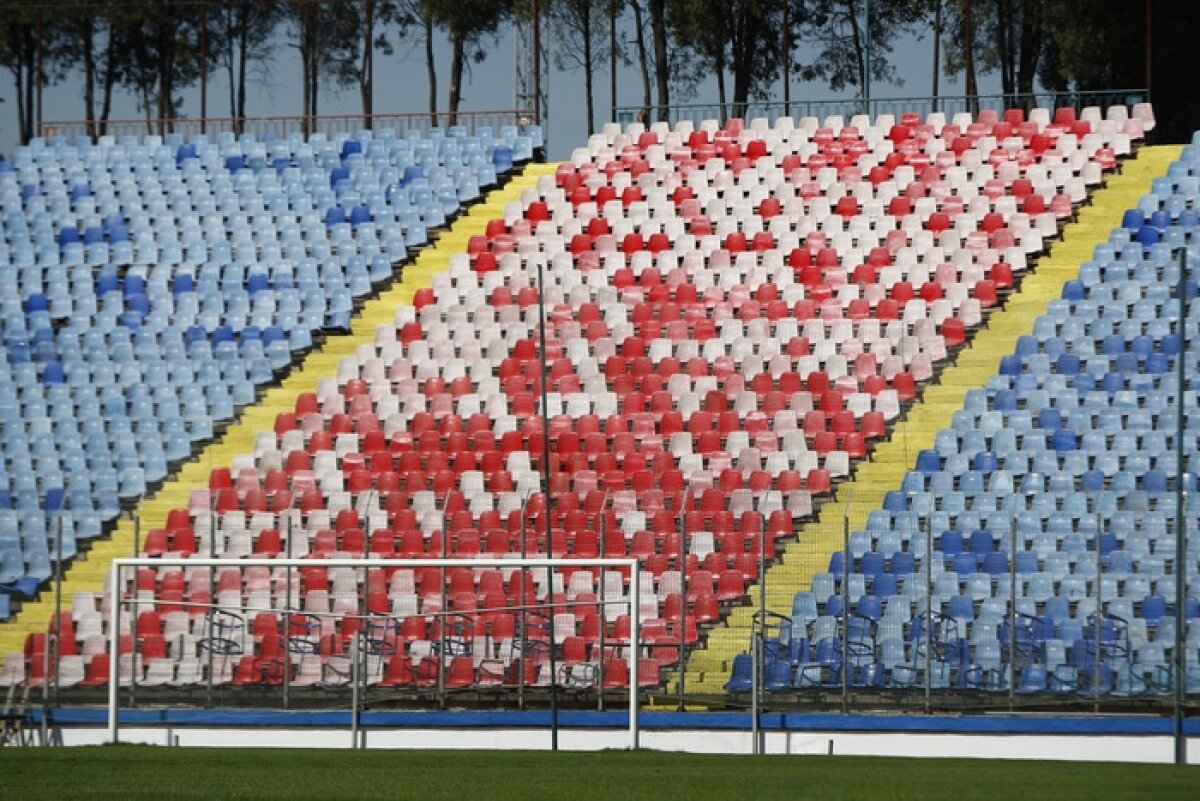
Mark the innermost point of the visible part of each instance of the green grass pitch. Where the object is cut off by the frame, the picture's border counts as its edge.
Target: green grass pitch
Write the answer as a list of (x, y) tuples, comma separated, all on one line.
[(174, 774)]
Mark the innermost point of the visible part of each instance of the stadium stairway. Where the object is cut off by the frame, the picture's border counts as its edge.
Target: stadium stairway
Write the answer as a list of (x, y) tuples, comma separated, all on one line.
[(708, 667), (88, 574)]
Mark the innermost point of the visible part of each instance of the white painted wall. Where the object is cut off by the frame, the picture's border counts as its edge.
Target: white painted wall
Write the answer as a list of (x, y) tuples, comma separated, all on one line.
[(1098, 748)]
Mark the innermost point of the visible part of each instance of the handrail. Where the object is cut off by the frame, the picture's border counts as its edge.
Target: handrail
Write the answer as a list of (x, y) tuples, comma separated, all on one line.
[(949, 104), (284, 124)]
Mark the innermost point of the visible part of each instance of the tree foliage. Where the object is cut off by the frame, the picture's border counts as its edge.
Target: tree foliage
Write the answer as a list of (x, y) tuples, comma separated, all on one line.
[(581, 34), (468, 24), (836, 35)]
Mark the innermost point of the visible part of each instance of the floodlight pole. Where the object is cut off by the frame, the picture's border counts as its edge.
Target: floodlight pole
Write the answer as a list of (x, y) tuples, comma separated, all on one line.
[(1180, 526), (547, 504)]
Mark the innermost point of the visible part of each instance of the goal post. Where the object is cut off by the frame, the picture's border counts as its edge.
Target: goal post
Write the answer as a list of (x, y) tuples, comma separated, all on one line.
[(120, 566)]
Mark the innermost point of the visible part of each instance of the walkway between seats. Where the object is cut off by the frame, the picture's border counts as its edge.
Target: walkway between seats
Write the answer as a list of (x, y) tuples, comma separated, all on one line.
[(708, 668)]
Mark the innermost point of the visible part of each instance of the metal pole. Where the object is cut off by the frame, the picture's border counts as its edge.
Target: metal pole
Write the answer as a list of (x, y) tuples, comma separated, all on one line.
[(1097, 630), (1099, 589), (762, 589), (46, 641), (368, 615), (212, 594), (1180, 527), (683, 551), (58, 556), (928, 612), (635, 632), (287, 612), (546, 482), (443, 618), (114, 650), (133, 625), (755, 685), (846, 605), (524, 619), (603, 596), (1012, 606), (354, 676)]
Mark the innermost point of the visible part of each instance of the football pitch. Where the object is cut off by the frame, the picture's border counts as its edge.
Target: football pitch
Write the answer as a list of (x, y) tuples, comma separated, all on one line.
[(167, 774)]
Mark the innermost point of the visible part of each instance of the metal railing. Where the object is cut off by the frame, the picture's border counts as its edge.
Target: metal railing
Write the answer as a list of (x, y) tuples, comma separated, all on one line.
[(283, 125), (923, 105)]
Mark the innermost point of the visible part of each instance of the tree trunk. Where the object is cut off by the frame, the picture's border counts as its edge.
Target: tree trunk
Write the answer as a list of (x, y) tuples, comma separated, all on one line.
[(972, 86), (20, 78), (719, 68), (166, 71), (588, 66), (643, 58), (240, 113), (1031, 45), (860, 62), (458, 56), (662, 67), (230, 57), (203, 68), (110, 80), (1005, 44), (87, 33), (367, 86), (937, 51), (744, 38), (430, 68)]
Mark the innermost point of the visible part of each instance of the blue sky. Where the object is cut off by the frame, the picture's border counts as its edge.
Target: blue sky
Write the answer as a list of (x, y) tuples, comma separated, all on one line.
[(401, 86)]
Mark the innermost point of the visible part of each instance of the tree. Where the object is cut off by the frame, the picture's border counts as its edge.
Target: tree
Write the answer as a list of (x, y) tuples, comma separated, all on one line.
[(317, 33), (467, 23), (643, 57), (581, 35), (359, 30), (157, 39), (90, 39), (245, 34), (836, 29), (740, 36), (662, 65), (419, 13), (26, 38)]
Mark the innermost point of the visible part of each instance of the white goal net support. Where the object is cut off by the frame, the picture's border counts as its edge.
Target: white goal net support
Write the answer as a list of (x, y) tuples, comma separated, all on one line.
[(374, 629)]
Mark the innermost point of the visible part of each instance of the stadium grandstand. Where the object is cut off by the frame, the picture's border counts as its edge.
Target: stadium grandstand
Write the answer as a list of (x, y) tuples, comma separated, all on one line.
[(888, 408)]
